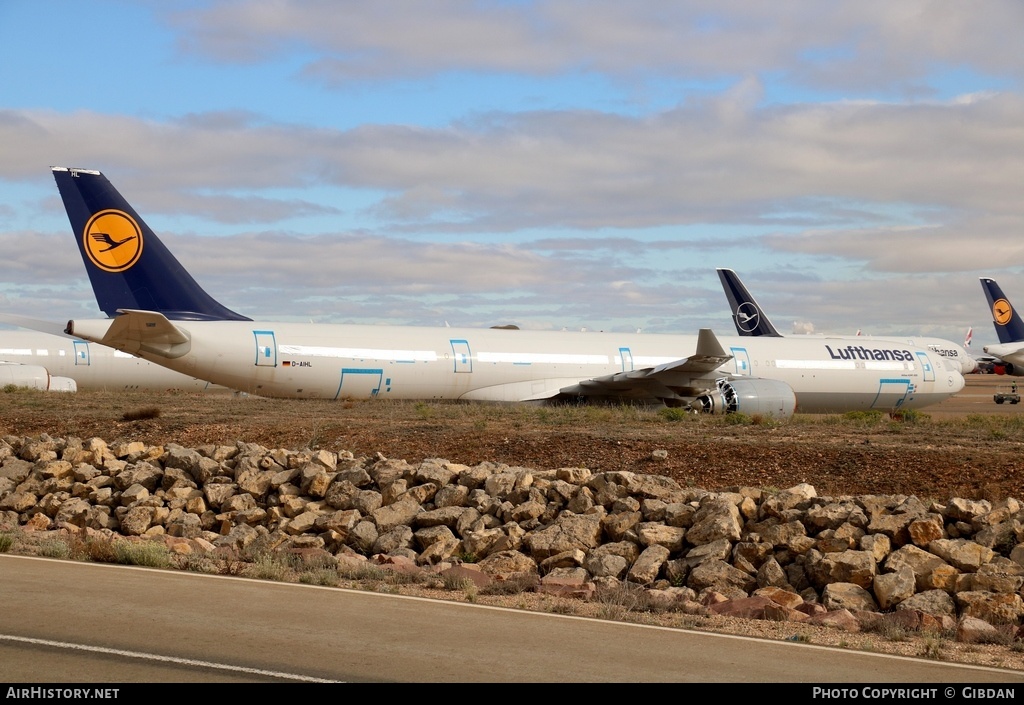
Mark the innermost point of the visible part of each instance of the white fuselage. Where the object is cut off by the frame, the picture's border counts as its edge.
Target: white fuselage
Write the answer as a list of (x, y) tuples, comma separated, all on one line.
[(305, 360), (946, 348), (957, 354), (92, 366)]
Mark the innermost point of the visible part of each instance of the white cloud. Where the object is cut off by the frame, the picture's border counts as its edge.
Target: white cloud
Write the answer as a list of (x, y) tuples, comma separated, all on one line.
[(863, 158)]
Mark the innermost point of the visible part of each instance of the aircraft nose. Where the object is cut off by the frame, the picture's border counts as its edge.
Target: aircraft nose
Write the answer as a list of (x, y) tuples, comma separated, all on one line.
[(956, 382), (955, 379)]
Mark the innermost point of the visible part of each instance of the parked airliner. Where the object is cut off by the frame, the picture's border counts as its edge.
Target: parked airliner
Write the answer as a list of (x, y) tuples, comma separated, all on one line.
[(30, 358), (158, 312), (751, 320), (1008, 353)]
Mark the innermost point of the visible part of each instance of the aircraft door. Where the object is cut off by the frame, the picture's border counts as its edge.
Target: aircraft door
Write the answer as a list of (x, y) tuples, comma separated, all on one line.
[(81, 353), (926, 367), (359, 383), (266, 348), (462, 355), (891, 393), (626, 355), (741, 358)]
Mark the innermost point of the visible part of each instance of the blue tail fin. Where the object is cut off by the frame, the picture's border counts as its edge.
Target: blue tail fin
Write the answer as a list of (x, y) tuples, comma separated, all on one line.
[(128, 265), (746, 314), (1008, 323)]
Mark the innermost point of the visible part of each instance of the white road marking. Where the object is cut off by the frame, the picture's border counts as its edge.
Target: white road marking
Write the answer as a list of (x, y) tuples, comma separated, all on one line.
[(164, 659)]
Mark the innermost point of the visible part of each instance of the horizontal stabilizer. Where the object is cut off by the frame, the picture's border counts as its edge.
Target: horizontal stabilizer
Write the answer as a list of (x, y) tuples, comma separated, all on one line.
[(135, 332), (1005, 351)]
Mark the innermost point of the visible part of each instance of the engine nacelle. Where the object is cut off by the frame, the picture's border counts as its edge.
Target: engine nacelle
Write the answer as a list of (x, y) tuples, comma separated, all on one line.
[(750, 396), (1012, 370), (31, 376), (34, 377), (62, 384)]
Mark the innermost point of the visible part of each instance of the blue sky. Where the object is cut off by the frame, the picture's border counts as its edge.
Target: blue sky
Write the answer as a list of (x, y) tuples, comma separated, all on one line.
[(548, 164)]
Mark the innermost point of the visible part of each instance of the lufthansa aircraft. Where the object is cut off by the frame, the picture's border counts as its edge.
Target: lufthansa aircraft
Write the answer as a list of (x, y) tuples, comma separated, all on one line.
[(750, 319), (1009, 329), (158, 312), (20, 363), (57, 362)]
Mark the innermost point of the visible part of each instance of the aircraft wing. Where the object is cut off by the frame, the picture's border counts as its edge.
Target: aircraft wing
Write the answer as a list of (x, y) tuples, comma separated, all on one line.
[(35, 324), (680, 380)]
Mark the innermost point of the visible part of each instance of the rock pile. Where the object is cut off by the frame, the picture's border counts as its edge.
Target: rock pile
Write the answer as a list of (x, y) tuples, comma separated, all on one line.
[(785, 555)]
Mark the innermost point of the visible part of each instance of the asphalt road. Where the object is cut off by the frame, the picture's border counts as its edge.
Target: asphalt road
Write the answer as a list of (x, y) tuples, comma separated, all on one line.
[(71, 622)]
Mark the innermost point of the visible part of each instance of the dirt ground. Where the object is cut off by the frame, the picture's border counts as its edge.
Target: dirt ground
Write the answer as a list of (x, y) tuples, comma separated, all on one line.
[(967, 446)]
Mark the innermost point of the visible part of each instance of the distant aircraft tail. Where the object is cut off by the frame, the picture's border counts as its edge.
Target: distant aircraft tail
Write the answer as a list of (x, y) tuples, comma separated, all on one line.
[(968, 338), (1009, 325), (746, 314), (128, 265)]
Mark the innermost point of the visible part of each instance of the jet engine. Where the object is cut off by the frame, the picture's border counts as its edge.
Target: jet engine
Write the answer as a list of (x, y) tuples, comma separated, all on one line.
[(63, 384), (750, 396), (34, 377), (31, 376)]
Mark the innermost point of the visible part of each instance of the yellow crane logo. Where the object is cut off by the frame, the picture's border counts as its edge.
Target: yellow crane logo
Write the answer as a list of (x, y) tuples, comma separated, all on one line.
[(113, 240)]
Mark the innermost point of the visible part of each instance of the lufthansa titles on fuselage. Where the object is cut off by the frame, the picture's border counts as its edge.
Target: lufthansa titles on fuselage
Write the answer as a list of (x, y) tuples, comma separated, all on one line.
[(862, 352)]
